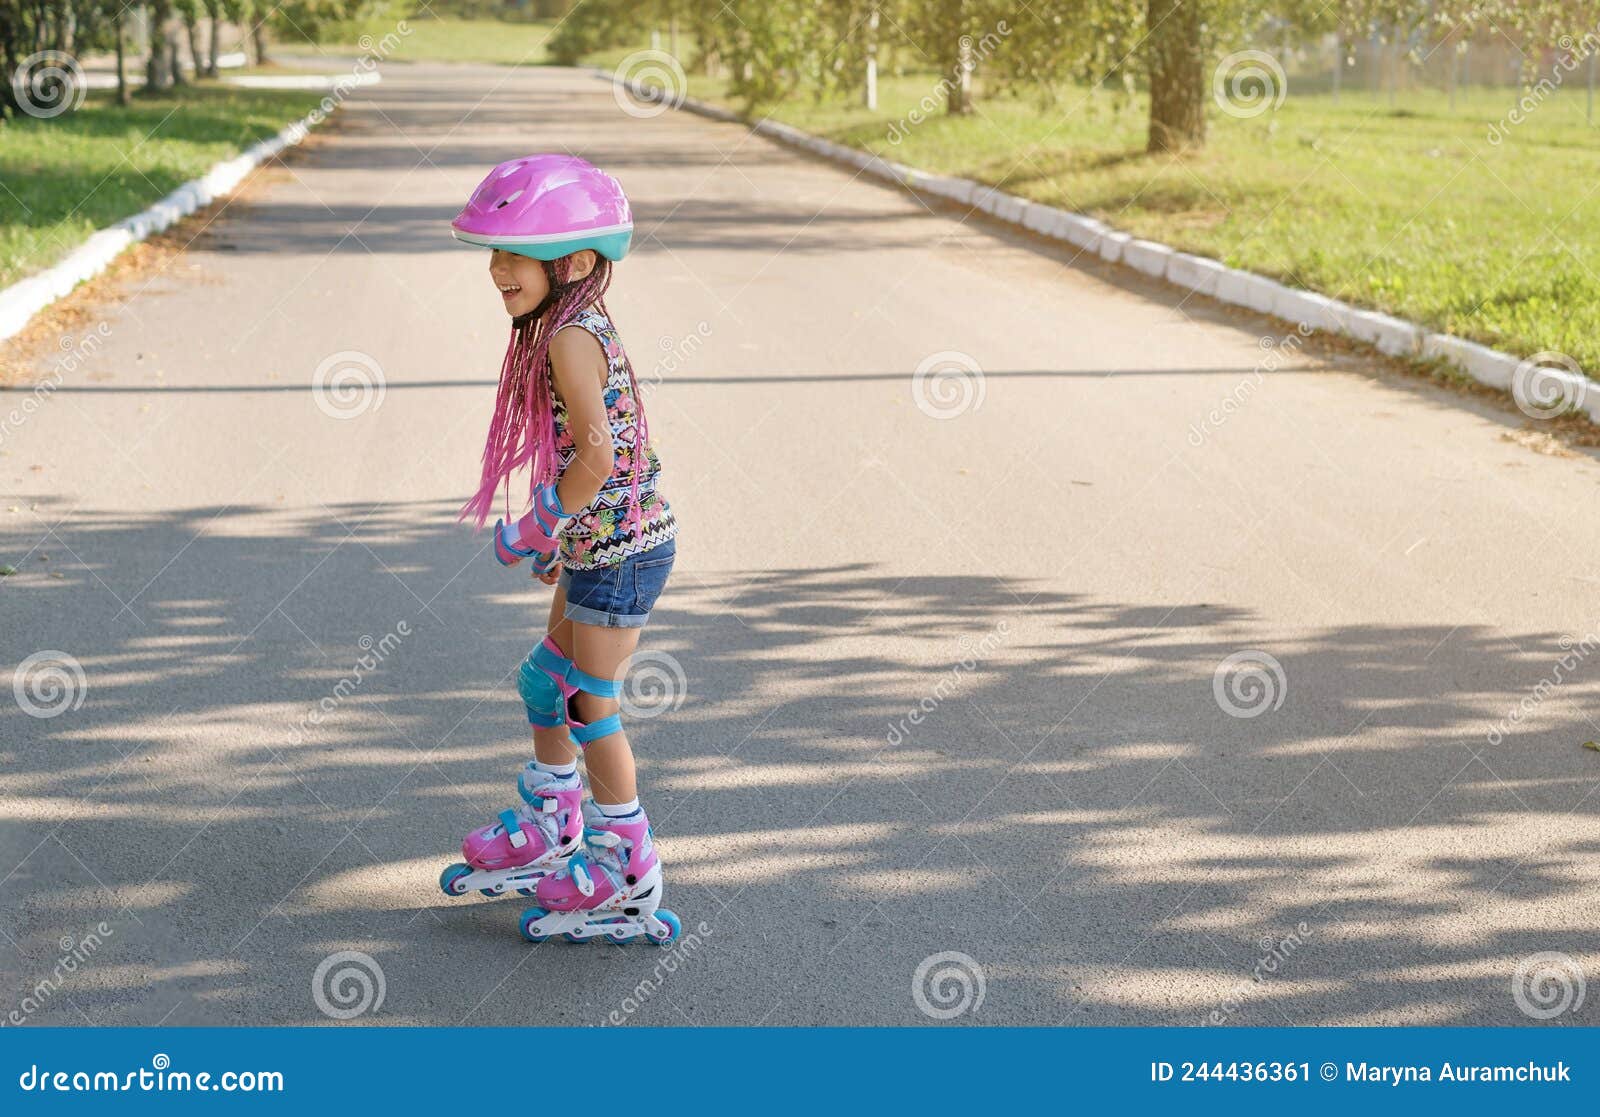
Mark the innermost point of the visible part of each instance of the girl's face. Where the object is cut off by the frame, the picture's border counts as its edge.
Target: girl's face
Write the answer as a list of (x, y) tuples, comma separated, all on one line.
[(520, 280), (522, 283)]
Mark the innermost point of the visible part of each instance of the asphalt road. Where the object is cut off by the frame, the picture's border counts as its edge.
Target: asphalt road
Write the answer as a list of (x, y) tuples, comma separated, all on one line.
[(940, 656)]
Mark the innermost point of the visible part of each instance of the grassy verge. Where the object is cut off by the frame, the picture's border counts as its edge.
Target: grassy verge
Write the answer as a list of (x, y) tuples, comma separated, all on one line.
[(493, 41), (64, 178), (1409, 209)]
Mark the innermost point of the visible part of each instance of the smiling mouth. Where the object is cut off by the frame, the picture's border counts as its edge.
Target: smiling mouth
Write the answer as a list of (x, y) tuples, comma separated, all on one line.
[(509, 289)]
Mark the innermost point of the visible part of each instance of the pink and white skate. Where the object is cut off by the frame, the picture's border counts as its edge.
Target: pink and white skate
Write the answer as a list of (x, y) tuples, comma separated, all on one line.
[(612, 889), (525, 844)]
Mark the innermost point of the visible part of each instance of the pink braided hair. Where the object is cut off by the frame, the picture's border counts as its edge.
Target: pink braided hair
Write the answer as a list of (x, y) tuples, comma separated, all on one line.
[(523, 429)]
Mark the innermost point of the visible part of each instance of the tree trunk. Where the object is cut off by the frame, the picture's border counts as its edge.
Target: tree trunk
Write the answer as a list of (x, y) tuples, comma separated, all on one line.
[(1177, 75), (8, 53), (175, 63), (959, 100), (214, 10), (157, 74), (1338, 64), (191, 26), (258, 35), (1455, 74), (122, 58), (1589, 114), (1394, 69), (8, 31)]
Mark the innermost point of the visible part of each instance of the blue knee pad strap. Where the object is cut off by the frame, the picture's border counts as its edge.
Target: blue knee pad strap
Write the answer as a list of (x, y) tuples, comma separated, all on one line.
[(611, 723)]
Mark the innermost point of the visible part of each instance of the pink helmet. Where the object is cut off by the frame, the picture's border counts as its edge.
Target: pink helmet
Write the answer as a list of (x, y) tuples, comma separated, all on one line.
[(546, 207)]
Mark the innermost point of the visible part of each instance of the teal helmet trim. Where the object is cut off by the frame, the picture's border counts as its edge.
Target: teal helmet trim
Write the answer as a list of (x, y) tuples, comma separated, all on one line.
[(612, 243)]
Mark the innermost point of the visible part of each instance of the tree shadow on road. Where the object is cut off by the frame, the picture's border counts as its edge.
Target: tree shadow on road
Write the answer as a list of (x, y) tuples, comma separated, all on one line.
[(290, 716)]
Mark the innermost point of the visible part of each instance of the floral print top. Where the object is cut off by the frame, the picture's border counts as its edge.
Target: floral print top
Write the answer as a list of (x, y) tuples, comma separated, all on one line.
[(603, 533)]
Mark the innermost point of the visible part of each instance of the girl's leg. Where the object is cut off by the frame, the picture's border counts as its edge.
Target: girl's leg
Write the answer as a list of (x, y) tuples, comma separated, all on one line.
[(535, 837), (614, 888), (602, 652), (553, 747)]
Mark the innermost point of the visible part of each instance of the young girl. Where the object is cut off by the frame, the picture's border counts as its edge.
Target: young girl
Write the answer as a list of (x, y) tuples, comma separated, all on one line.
[(568, 410)]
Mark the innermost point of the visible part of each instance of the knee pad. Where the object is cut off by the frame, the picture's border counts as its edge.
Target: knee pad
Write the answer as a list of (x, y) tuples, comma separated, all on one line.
[(542, 683), (547, 681)]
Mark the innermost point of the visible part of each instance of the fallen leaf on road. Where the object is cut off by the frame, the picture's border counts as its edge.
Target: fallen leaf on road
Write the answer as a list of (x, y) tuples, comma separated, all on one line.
[(1540, 442), (1592, 746), (7, 571)]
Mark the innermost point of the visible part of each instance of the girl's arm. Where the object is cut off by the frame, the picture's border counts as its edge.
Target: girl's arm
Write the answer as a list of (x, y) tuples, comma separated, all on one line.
[(578, 370)]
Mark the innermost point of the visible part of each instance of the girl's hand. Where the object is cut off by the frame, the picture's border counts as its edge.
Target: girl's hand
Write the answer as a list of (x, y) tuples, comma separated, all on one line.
[(548, 577)]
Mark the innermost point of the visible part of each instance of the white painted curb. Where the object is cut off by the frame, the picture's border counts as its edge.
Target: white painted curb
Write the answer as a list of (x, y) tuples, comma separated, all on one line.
[(22, 300), (1393, 336)]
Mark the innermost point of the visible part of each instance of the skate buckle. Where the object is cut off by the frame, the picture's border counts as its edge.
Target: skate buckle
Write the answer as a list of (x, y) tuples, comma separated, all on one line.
[(580, 875), (513, 826)]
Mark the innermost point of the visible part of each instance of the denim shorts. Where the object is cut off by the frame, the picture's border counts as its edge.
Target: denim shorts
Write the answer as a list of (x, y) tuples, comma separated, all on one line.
[(619, 596)]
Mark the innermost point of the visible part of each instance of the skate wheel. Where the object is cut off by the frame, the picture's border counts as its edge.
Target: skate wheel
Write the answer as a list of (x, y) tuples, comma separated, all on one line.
[(527, 892), (489, 892), (674, 928), (620, 937), (450, 880), (571, 936), (529, 918)]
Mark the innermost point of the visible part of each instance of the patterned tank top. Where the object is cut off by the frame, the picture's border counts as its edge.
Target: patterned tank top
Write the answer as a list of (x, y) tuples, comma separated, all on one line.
[(600, 534)]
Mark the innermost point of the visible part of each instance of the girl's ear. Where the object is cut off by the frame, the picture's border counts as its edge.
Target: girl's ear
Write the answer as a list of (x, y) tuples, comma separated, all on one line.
[(583, 262)]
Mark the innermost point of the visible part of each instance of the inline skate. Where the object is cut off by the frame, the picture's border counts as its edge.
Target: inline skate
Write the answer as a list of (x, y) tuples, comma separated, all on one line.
[(524, 844), (611, 889)]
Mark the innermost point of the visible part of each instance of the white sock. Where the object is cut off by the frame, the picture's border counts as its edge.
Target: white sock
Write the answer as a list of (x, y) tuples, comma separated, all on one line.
[(619, 810), (559, 771)]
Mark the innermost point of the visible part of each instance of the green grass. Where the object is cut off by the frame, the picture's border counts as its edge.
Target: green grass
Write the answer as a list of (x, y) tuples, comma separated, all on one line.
[(439, 40), (62, 179), (1411, 210)]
